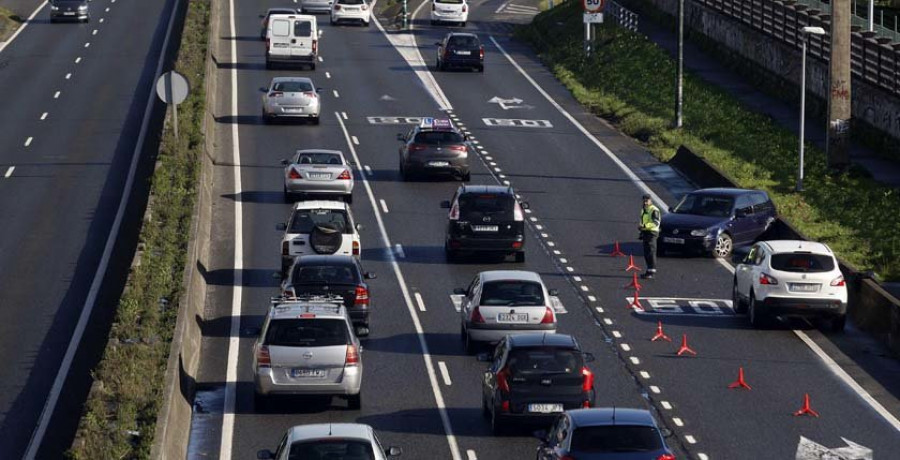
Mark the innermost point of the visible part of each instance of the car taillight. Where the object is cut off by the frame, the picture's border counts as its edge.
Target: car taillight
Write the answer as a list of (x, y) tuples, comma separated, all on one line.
[(666, 457), (502, 382), (364, 7), (311, 94), (517, 245), (839, 281), (276, 94), (285, 248), (362, 296), (548, 316), (315, 46), (352, 358), (587, 379), (294, 174), (344, 175), (416, 147), (567, 457), (465, 8), (356, 248), (518, 214), (263, 359), (454, 212), (476, 316), (337, 7), (766, 279), (481, 53)]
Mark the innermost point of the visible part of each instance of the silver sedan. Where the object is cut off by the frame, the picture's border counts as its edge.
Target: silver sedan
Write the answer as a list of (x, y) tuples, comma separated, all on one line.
[(318, 172), (295, 97)]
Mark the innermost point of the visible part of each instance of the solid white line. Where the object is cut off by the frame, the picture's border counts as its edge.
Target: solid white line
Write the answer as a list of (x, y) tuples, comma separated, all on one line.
[(28, 141), (384, 206), (226, 442), (399, 250), (327, 75), (37, 435), (368, 170), (336, 95), (355, 140), (56, 95), (344, 115), (68, 76), (419, 301), (9, 171), (445, 373), (44, 116), (420, 333), (34, 13), (470, 455), (78, 59)]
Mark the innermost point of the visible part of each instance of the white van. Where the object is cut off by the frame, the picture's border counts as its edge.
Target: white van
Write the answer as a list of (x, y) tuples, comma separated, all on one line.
[(292, 39)]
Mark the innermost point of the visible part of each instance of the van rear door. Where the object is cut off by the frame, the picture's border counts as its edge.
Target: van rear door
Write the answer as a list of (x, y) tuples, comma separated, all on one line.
[(279, 37), (303, 42)]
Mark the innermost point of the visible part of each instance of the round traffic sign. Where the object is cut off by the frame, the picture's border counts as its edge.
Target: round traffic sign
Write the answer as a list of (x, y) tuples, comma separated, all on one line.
[(172, 87), (593, 6)]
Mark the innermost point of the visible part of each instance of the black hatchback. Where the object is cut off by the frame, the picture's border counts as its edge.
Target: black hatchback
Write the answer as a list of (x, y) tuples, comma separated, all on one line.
[(715, 221), (533, 378), (485, 218), (460, 50)]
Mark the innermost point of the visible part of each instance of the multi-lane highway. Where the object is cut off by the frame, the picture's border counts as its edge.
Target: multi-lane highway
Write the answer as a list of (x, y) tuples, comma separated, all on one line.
[(583, 181), (74, 98)]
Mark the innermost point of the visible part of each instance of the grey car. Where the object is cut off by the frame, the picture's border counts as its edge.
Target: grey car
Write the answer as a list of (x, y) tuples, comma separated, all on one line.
[(70, 10), (318, 172), (307, 347), (348, 441), (315, 6), (612, 433), (291, 97), (434, 147)]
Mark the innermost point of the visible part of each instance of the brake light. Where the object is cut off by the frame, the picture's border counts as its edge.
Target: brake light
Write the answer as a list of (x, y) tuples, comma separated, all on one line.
[(457, 148), (481, 53), (666, 457), (307, 315), (263, 359), (285, 248), (465, 8), (518, 214), (454, 212), (315, 46), (548, 316), (587, 382), (276, 94), (352, 358), (337, 7), (502, 382), (416, 147), (476, 316), (356, 248), (567, 457), (362, 296), (344, 175), (839, 281), (517, 245), (766, 279), (294, 174), (311, 94)]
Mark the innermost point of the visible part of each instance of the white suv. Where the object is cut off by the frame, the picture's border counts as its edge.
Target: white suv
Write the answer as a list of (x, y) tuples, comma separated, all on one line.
[(318, 227), (790, 278)]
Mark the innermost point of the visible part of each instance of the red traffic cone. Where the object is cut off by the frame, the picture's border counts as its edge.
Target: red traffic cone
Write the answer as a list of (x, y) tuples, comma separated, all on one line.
[(684, 346), (740, 383), (806, 410), (636, 302), (616, 252), (660, 334), (631, 265), (634, 283)]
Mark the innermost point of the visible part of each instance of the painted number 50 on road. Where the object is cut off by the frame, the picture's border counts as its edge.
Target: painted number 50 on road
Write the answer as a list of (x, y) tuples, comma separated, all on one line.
[(593, 6)]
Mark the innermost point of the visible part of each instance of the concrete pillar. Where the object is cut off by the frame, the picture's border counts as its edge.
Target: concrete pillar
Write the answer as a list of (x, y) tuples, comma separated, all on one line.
[(838, 145)]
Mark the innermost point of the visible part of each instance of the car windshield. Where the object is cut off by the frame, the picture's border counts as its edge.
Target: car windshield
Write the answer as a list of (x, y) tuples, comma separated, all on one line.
[(304, 220), (512, 292), (307, 332), (475, 205), (332, 449), (438, 137), (699, 204), (293, 86), (464, 42), (325, 274), (313, 158), (616, 438), (544, 360), (802, 262)]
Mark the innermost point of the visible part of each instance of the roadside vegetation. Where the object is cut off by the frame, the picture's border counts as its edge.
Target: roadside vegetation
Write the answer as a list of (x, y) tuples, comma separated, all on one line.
[(119, 417), (9, 22), (631, 82)]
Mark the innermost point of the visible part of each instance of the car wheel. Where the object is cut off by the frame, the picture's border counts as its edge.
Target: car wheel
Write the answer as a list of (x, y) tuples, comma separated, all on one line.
[(315, 120), (348, 198), (462, 24), (470, 344), (724, 246), (838, 323), (450, 255), (736, 302), (433, 22), (312, 66), (466, 177), (497, 426), (354, 402), (403, 175), (757, 318), (268, 65), (481, 69), (520, 257), (333, 22), (660, 250), (368, 23), (485, 412), (288, 196)]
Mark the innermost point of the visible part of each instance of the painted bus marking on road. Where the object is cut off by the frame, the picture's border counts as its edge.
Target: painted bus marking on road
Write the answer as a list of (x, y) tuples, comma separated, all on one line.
[(516, 123), (685, 306)]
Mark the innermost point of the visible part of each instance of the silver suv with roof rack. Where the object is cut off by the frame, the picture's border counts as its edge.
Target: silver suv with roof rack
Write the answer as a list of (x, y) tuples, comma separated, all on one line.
[(307, 347)]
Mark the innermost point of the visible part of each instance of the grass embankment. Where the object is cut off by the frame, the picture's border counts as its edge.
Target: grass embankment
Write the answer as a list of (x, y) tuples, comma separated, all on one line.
[(9, 22), (631, 81), (120, 414)]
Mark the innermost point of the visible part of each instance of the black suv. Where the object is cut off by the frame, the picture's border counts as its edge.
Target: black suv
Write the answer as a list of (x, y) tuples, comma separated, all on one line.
[(341, 275), (460, 50), (535, 377), (70, 10), (715, 221), (432, 147), (485, 218)]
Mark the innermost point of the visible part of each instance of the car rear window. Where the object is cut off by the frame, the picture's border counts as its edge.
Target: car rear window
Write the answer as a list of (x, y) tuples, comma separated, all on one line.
[(454, 2), (307, 332), (512, 292), (474, 205), (304, 220), (802, 262), (318, 159), (705, 205), (351, 2), (544, 360), (616, 438), (325, 274), (341, 449), (438, 137), (302, 28), (293, 86), (464, 42), (281, 27)]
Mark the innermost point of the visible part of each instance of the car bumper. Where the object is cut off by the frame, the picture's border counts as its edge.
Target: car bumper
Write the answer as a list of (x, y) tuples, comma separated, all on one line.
[(449, 17), (455, 167), (351, 16), (359, 315), (463, 62), (293, 112), (344, 187), (69, 15), (799, 306), (291, 59), (492, 333), (349, 385), (688, 245), (502, 245)]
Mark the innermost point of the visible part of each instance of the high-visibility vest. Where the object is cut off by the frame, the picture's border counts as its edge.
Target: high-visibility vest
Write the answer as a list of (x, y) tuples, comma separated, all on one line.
[(650, 219)]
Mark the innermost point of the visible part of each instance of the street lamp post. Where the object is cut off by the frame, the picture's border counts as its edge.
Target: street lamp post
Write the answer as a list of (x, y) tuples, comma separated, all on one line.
[(807, 31), (679, 86)]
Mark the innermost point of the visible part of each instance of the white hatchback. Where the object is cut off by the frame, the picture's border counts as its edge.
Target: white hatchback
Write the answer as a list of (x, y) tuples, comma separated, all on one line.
[(350, 10), (322, 227), (790, 278), (449, 11)]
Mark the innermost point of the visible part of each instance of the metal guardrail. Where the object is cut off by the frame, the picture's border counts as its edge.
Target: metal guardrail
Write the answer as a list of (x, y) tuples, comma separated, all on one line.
[(860, 18), (624, 17)]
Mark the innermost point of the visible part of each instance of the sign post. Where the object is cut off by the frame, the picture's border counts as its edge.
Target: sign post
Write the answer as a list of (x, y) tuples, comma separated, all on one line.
[(172, 88), (593, 13)]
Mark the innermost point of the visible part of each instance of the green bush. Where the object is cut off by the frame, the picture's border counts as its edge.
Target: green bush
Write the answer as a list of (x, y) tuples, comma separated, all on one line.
[(852, 213)]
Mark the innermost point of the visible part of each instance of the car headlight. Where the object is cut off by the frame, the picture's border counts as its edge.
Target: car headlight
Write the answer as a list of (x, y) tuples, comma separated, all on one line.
[(82, 7), (699, 232), (54, 8)]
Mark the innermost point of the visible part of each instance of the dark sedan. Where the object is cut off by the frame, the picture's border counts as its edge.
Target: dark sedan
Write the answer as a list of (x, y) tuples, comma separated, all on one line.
[(715, 221), (604, 433), (434, 147), (461, 51)]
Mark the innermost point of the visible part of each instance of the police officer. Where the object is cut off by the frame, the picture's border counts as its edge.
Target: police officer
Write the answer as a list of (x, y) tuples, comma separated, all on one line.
[(650, 220)]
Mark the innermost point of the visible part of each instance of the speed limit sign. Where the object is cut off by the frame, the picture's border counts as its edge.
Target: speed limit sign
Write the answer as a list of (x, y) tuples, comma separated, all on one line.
[(593, 6)]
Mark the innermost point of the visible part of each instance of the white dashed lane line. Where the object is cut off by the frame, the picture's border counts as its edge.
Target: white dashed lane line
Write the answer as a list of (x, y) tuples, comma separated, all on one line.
[(344, 116), (68, 75), (419, 301), (355, 140), (368, 170), (107, 9), (9, 172), (645, 375), (87, 45), (336, 95), (445, 374), (44, 116), (94, 32), (655, 389), (635, 360), (78, 59), (327, 75), (398, 249), (470, 455), (28, 141), (690, 439), (56, 95), (383, 206), (101, 20), (665, 405)]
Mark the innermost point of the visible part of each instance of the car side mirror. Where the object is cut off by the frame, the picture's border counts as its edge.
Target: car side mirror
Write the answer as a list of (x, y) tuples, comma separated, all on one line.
[(525, 205), (263, 89), (264, 454), (319, 90), (445, 204), (370, 275), (359, 227), (285, 162), (401, 137), (393, 451), (588, 357), (281, 227), (553, 292), (666, 433), (459, 291), (540, 434), (437, 43)]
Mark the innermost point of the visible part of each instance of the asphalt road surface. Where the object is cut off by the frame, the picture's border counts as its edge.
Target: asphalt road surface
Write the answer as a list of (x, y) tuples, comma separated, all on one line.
[(583, 181)]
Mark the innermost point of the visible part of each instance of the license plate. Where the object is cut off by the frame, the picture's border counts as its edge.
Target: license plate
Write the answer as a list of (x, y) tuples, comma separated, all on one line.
[(438, 164), (69, 13), (464, 53), (803, 287), (545, 408), (320, 176), (485, 228), (512, 317), (673, 240), (308, 373)]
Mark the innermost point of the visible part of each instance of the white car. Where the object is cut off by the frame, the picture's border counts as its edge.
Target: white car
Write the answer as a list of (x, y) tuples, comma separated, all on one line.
[(330, 440), (318, 227), (790, 278), (449, 11), (502, 302), (292, 39), (318, 172), (350, 10), (291, 97)]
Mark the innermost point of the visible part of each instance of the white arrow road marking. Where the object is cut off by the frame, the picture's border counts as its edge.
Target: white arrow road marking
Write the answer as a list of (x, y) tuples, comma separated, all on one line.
[(507, 104), (810, 450)]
